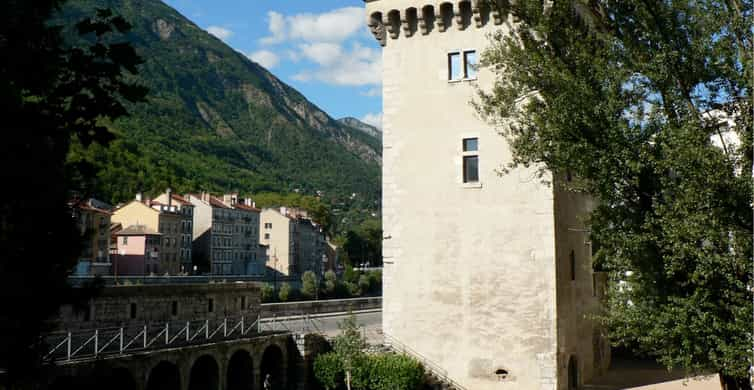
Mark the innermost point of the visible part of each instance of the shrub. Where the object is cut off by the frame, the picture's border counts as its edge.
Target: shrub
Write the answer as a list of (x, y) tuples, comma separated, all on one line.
[(309, 285), (331, 281), (285, 292), (268, 293), (328, 369), (392, 372), (375, 281), (364, 284)]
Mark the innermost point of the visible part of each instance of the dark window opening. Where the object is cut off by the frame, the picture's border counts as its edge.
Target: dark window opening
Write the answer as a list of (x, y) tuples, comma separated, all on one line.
[(572, 258), (211, 305), (133, 311), (243, 303), (470, 144), (470, 169), (88, 313), (174, 308)]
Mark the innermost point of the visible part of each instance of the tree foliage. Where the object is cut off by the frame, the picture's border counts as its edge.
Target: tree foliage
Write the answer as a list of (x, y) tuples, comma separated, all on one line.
[(308, 285), (50, 95), (638, 102)]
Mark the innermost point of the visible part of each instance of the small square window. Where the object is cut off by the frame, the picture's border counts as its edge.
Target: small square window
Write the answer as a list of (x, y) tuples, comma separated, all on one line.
[(470, 169), (470, 144)]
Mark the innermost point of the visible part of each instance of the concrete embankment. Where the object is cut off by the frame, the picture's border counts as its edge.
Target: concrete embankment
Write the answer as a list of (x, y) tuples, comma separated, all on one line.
[(320, 307)]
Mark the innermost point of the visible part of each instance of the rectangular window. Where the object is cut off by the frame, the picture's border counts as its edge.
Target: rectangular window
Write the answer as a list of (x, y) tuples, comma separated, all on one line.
[(125, 240), (455, 70), (210, 305), (471, 160), (470, 169), (267, 236), (174, 308), (469, 64), (133, 311)]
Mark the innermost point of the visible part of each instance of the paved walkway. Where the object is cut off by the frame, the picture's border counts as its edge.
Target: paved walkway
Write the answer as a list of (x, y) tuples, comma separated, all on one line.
[(644, 375)]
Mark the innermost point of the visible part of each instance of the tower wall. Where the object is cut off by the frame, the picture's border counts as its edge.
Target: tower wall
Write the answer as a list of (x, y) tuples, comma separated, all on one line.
[(470, 269)]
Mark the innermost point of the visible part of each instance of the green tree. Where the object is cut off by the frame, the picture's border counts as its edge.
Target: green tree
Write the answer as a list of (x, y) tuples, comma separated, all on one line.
[(627, 99), (285, 292), (268, 293), (328, 370), (349, 346), (50, 94), (309, 284), (331, 281)]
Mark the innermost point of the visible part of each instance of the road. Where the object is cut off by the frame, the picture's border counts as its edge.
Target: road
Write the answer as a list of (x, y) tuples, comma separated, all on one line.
[(369, 321)]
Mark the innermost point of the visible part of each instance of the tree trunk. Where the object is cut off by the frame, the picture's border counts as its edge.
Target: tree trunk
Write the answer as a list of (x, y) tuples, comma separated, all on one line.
[(348, 379)]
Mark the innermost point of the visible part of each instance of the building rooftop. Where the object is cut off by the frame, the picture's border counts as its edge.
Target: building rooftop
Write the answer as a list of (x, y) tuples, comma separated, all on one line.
[(137, 230)]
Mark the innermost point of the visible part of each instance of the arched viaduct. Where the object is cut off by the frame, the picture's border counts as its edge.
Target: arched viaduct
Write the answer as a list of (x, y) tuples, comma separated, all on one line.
[(230, 365)]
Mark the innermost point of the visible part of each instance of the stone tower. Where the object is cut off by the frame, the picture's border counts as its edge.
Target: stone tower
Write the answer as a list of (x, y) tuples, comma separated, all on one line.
[(488, 276)]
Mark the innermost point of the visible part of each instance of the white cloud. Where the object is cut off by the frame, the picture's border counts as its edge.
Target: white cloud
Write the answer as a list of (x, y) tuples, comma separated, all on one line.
[(372, 92), (373, 119), (356, 67), (333, 26), (265, 58), (277, 25), (220, 32)]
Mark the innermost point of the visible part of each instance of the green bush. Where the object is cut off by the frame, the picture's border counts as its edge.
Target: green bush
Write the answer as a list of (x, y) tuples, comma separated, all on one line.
[(364, 284), (285, 292), (375, 281), (331, 281), (268, 293), (328, 369), (394, 372), (308, 285)]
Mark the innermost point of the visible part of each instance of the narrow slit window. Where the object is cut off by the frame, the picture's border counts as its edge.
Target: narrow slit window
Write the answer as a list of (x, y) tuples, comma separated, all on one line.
[(572, 259), (210, 305), (174, 308), (471, 160), (455, 69), (132, 313), (469, 63)]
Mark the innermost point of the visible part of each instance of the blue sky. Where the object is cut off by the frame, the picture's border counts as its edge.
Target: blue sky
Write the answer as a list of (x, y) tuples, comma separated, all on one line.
[(322, 48)]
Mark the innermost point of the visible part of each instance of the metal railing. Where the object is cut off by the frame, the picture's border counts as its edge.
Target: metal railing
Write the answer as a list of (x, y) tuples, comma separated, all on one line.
[(84, 344), (429, 365), (118, 341)]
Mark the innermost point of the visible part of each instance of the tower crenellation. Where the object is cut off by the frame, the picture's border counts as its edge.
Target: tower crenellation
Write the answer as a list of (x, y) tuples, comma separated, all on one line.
[(386, 20)]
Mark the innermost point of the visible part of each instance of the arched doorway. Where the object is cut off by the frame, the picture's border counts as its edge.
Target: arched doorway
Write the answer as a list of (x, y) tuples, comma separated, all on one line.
[(164, 376), (122, 379), (63, 383), (240, 371), (111, 379), (573, 373), (272, 364), (204, 374)]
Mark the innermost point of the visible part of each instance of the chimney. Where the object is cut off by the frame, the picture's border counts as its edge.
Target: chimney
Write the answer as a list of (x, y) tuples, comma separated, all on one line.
[(139, 196), (284, 210), (170, 198), (247, 201), (254, 204), (205, 196)]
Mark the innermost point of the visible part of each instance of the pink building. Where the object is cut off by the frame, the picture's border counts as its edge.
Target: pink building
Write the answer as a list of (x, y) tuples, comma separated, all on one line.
[(138, 252)]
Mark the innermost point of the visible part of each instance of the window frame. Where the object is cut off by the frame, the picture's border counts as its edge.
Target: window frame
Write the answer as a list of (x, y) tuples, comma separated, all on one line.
[(467, 154), (463, 64)]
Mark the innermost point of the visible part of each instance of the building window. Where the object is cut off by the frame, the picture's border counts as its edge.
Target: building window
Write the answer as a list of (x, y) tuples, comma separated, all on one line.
[(174, 308), (125, 240), (572, 260), (462, 65), (471, 160), (243, 303), (132, 311), (267, 236), (210, 305)]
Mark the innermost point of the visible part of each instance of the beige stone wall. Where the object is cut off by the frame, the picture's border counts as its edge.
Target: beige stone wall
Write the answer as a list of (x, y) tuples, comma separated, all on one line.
[(469, 279), (279, 241)]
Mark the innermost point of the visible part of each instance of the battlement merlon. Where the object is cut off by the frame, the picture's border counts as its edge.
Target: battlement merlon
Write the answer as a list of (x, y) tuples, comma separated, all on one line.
[(388, 18)]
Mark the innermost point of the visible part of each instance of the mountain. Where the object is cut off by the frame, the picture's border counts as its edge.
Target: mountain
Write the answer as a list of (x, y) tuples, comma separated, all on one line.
[(361, 126), (216, 120)]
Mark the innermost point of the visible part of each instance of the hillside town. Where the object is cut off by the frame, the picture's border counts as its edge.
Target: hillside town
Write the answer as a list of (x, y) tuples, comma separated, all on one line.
[(199, 234)]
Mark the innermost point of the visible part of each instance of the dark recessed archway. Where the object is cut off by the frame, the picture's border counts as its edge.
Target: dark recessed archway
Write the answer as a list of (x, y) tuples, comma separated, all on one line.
[(164, 376), (573, 373), (63, 383), (272, 364), (204, 374), (105, 377), (240, 371)]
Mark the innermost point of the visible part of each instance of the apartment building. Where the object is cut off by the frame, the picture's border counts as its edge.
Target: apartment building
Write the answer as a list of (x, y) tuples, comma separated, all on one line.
[(93, 222), (295, 244), (226, 235), (186, 211)]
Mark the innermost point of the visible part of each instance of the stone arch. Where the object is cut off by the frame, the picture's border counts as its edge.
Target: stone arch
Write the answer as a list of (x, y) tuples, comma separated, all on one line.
[(445, 16), (205, 374), (112, 378), (410, 22), (427, 19), (573, 373), (273, 363), (63, 383), (240, 374), (394, 23), (164, 376)]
